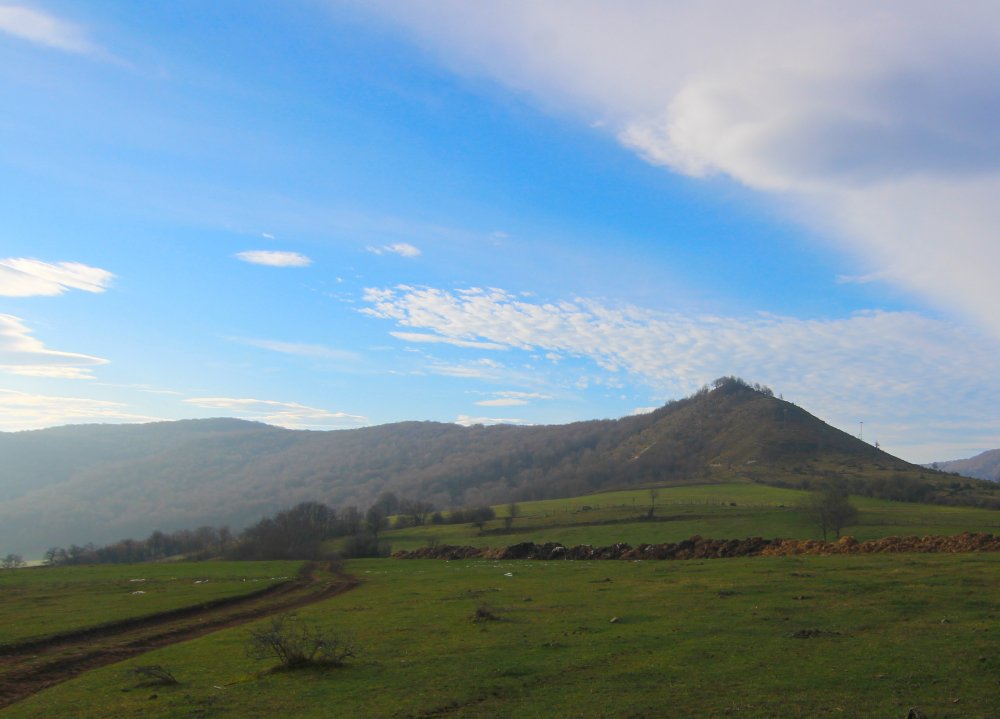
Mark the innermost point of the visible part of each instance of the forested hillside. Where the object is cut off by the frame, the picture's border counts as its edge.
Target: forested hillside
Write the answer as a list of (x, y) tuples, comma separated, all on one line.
[(101, 483)]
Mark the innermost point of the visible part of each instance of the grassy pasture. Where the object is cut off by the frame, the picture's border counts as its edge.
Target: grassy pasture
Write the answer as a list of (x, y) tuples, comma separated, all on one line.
[(724, 511), (877, 634), (40, 601)]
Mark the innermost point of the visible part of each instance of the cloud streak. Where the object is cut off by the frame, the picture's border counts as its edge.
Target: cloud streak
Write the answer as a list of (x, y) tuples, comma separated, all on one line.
[(41, 28), (873, 123), (403, 249), (282, 414), (274, 258), (421, 338), (300, 349), (23, 354), (27, 277), (24, 411), (468, 421)]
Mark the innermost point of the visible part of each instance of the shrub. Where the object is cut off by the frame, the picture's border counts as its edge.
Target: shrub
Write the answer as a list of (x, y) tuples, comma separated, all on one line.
[(152, 674), (485, 613), (296, 644)]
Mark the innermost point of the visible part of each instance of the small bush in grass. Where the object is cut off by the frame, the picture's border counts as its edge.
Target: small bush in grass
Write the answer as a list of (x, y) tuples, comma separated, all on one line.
[(296, 644), (152, 674), (484, 613)]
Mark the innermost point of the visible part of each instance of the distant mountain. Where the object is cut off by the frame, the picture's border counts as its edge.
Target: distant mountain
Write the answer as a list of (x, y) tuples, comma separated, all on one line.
[(982, 466), (101, 483)]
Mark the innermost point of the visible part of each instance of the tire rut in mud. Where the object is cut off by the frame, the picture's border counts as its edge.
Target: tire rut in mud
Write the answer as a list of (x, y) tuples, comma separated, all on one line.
[(30, 667)]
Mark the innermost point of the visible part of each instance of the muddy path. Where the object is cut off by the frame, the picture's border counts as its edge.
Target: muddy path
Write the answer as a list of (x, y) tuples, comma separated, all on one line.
[(30, 667)]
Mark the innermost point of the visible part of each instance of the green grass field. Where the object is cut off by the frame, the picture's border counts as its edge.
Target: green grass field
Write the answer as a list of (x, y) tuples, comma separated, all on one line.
[(722, 511), (860, 636), (41, 601), (837, 636)]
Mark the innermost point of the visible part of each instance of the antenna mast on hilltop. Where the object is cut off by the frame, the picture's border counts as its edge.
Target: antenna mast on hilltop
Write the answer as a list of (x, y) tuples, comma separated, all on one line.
[(861, 434)]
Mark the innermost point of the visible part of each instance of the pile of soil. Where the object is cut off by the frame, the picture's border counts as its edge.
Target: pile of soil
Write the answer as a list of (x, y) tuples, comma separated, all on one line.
[(700, 548)]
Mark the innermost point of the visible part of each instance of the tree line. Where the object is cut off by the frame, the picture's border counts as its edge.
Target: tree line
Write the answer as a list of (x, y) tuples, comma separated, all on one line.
[(296, 533)]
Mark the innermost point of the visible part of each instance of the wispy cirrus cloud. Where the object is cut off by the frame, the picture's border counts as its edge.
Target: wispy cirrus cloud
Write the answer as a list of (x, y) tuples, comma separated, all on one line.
[(486, 369), (423, 338), (403, 249), (883, 366), (28, 277), (300, 349), (23, 354), (282, 414), (643, 410), (512, 399), (873, 123), (469, 421), (24, 411), (42, 28), (274, 258)]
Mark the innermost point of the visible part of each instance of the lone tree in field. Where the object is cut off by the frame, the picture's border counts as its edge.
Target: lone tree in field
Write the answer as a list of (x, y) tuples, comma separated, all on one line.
[(512, 512), (653, 494), (830, 510)]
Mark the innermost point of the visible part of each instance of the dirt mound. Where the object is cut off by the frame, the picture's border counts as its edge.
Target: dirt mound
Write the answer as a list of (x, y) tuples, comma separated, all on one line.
[(966, 542), (700, 548)]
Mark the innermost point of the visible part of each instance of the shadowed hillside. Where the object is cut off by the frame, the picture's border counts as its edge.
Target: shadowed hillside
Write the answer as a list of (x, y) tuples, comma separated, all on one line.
[(101, 483)]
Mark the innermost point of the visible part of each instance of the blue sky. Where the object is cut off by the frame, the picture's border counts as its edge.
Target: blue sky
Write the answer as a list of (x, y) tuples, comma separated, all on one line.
[(329, 215)]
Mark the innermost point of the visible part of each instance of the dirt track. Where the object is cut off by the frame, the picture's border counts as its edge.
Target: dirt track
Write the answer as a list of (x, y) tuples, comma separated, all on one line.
[(29, 667)]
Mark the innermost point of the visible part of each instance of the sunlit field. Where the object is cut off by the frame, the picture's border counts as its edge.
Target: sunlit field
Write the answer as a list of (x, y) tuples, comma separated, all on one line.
[(863, 636)]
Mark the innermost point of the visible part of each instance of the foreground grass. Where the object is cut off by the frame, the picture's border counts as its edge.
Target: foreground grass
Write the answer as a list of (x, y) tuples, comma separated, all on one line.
[(880, 633), (40, 601), (723, 511)]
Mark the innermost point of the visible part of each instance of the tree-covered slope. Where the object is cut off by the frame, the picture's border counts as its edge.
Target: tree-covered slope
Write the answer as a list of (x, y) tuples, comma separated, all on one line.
[(102, 483)]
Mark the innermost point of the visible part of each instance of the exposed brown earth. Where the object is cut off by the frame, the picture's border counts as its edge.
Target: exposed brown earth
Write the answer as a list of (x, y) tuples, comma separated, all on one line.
[(700, 548), (29, 667)]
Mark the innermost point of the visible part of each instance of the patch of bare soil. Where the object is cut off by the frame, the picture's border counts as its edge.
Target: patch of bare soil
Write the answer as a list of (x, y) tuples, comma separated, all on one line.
[(30, 667)]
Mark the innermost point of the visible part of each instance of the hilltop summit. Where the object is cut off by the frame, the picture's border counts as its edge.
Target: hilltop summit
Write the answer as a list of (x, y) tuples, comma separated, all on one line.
[(102, 482)]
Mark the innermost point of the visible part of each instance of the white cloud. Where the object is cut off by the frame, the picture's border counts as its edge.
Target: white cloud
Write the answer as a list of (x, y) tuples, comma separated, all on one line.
[(511, 399), (874, 123), (477, 369), (861, 279), (642, 410), (300, 349), (425, 338), (42, 28), (282, 414), (879, 367), (24, 411), (403, 249), (274, 258), (27, 277), (467, 421), (23, 354)]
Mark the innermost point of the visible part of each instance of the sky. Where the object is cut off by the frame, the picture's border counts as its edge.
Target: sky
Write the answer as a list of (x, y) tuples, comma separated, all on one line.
[(329, 214)]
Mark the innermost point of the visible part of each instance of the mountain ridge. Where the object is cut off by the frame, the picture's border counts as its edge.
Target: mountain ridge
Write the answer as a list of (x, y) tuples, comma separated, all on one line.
[(985, 465), (103, 482)]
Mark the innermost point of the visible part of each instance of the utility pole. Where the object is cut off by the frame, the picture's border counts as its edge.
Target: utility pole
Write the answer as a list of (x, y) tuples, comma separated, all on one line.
[(861, 436)]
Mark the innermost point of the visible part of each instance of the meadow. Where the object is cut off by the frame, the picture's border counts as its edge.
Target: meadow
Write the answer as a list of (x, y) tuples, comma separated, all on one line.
[(719, 511), (862, 636), (41, 601), (838, 636)]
